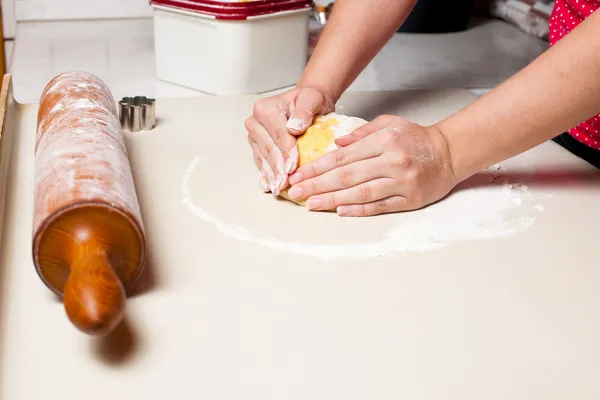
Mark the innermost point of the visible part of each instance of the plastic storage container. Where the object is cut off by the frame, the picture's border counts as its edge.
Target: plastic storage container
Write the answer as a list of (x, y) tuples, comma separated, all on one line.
[(229, 48)]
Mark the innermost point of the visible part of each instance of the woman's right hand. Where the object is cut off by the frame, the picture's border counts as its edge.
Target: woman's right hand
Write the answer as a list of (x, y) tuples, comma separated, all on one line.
[(272, 131)]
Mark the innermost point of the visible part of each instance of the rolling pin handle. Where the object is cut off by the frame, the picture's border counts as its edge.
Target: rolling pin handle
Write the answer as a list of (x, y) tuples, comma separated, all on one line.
[(94, 297)]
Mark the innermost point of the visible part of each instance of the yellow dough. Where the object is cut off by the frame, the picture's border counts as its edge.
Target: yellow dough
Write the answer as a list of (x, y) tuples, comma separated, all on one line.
[(319, 139)]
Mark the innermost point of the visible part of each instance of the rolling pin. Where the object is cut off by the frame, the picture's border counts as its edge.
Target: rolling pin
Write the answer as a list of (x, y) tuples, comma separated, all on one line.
[(89, 243)]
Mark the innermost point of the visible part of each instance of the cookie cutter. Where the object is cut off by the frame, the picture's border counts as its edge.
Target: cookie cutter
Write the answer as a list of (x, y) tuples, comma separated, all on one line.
[(137, 113)]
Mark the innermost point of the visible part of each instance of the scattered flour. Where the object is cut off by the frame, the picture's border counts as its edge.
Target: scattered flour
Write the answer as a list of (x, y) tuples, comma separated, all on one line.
[(484, 208)]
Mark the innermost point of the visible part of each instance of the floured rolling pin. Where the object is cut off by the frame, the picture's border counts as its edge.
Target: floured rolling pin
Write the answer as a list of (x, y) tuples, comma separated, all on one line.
[(89, 243)]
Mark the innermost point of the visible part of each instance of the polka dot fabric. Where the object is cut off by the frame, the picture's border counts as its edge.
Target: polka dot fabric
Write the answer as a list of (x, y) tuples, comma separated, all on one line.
[(567, 15)]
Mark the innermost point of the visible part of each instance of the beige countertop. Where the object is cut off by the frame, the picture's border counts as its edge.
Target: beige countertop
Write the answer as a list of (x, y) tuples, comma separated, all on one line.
[(249, 297)]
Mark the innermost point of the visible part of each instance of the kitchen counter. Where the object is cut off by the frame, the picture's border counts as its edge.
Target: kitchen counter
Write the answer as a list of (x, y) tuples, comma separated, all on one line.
[(490, 294)]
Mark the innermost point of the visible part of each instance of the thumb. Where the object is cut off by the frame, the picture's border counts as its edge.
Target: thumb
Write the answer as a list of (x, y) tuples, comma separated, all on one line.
[(309, 102), (367, 129)]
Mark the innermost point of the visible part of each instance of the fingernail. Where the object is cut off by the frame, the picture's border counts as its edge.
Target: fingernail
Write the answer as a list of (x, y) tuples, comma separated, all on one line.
[(295, 192), (343, 210), (294, 179), (295, 124), (313, 203)]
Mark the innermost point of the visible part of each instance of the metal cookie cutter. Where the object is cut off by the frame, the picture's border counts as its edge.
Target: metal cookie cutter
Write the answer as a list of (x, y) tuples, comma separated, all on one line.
[(137, 113)]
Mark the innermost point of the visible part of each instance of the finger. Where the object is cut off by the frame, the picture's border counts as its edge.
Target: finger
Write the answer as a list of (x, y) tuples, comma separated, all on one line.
[(291, 164), (335, 159), (267, 176), (258, 159), (273, 117), (255, 154), (270, 152), (378, 124), (308, 103), (366, 192), (262, 182), (338, 179), (384, 206), (270, 178)]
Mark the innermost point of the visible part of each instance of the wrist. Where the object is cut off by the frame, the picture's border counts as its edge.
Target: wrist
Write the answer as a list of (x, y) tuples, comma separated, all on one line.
[(330, 98), (443, 153), (462, 162), (327, 90), (321, 80)]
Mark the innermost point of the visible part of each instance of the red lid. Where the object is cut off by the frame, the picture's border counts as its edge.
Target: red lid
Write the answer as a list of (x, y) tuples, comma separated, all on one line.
[(234, 10)]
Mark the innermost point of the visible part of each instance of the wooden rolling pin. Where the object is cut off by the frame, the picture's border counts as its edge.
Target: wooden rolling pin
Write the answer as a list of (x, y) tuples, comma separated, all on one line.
[(89, 243)]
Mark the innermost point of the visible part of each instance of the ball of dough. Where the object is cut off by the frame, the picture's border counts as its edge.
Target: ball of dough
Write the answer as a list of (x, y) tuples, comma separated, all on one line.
[(319, 139)]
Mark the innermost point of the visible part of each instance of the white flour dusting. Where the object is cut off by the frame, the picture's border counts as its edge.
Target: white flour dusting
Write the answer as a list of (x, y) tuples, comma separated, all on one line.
[(80, 152), (483, 209)]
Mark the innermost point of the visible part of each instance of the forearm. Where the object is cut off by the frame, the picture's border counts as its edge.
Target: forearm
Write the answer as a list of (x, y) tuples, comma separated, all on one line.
[(557, 91), (356, 31)]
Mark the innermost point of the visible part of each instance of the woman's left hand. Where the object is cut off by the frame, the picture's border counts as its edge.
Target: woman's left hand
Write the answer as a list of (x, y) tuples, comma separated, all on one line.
[(388, 165)]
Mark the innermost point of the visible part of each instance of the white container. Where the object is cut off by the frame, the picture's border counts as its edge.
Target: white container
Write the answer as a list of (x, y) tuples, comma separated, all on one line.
[(228, 52)]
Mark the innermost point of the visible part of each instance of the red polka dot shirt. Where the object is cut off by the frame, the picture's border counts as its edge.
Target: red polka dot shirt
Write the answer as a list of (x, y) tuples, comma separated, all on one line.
[(567, 15)]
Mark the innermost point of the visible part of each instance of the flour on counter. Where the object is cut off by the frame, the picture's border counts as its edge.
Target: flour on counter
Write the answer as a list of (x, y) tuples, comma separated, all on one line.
[(482, 208)]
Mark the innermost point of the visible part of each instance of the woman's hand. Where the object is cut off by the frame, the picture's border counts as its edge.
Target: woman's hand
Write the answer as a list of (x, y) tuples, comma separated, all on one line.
[(272, 131), (387, 165)]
